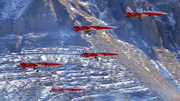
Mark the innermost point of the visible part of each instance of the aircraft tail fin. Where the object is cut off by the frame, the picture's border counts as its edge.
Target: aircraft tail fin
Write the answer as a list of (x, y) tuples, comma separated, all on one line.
[(85, 51), (54, 87), (128, 10), (23, 61), (77, 24)]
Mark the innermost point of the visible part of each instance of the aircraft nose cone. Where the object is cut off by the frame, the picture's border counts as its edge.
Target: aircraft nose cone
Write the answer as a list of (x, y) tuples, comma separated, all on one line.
[(165, 13), (63, 63), (115, 27)]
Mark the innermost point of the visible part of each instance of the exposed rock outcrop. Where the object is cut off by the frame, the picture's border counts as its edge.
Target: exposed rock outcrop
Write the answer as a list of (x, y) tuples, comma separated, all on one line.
[(150, 32), (18, 42), (40, 16), (6, 27)]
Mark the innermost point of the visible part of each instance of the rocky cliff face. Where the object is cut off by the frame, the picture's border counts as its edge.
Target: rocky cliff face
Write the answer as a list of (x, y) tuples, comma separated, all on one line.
[(149, 49)]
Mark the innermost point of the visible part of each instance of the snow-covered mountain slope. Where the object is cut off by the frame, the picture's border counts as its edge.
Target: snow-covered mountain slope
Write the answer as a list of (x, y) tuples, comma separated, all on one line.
[(106, 79), (147, 69)]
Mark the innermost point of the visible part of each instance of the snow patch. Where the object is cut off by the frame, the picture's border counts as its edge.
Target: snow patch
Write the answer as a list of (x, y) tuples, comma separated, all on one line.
[(44, 93), (43, 58), (153, 61), (84, 3), (168, 76)]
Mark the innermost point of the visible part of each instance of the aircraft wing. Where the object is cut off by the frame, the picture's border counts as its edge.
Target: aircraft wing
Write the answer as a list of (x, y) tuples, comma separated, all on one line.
[(90, 28), (99, 55), (37, 65), (143, 15)]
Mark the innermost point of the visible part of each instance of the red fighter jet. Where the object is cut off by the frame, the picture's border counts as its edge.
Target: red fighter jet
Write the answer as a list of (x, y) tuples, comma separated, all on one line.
[(55, 89), (24, 64), (78, 27), (96, 55), (140, 15)]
